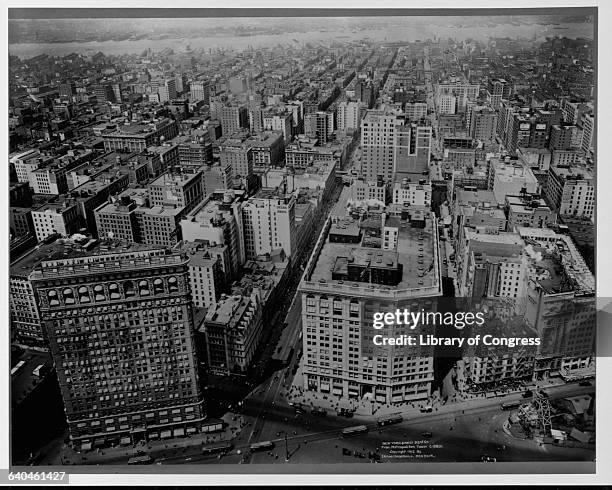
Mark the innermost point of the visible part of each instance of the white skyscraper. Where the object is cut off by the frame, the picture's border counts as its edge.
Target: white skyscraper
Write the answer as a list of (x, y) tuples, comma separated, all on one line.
[(269, 223), (349, 115)]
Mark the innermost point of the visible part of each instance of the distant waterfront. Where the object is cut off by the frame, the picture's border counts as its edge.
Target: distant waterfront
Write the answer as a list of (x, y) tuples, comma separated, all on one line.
[(415, 31)]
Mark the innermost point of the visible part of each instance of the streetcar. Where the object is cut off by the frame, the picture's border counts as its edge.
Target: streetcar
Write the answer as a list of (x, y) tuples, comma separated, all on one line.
[(262, 446), (510, 405), (223, 448), (351, 431), (143, 459), (391, 419)]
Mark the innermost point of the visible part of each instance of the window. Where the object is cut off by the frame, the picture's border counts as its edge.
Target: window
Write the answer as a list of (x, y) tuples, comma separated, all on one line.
[(158, 286), (128, 289), (143, 288), (173, 285), (84, 295), (99, 293), (68, 296), (113, 289), (52, 296)]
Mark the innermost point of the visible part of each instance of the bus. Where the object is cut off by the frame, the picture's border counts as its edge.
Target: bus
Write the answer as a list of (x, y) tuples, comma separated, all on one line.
[(143, 459), (358, 429), (223, 448), (17, 367), (391, 419), (510, 405), (262, 446)]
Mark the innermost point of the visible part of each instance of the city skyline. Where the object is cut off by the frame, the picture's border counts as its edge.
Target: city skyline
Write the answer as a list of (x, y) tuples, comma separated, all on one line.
[(206, 217)]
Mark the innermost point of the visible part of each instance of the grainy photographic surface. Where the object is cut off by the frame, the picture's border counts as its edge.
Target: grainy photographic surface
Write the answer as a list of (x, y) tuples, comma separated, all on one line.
[(301, 241)]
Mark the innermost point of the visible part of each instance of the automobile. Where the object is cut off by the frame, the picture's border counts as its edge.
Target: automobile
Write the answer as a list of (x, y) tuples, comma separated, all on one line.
[(319, 412), (427, 409), (585, 383), (344, 412), (445, 262), (528, 394), (426, 435)]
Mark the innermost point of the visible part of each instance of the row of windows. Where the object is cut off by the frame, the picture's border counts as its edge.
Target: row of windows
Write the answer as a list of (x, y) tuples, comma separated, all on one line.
[(112, 291)]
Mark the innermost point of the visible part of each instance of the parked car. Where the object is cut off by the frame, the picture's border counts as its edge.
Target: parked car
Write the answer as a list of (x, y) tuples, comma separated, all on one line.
[(319, 412)]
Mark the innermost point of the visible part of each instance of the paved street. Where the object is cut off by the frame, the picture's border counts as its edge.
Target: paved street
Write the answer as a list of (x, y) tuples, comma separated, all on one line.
[(460, 432)]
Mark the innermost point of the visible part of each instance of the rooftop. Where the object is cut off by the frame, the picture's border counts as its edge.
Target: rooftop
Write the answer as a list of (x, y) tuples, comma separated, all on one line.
[(141, 129), (174, 178), (416, 252), (573, 172), (110, 256), (161, 210), (77, 246), (56, 206), (473, 198), (228, 309)]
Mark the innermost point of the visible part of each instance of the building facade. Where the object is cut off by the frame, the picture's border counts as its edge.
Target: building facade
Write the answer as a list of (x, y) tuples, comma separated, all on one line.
[(120, 329)]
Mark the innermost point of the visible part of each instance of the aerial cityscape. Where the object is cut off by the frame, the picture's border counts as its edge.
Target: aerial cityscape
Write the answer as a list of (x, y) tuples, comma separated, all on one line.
[(221, 229)]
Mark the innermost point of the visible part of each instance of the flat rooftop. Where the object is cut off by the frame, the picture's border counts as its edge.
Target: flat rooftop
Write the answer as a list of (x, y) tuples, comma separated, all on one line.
[(226, 310), (416, 251), (574, 172), (136, 130), (465, 197), (176, 178), (69, 248), (160, 210), (110, 256)]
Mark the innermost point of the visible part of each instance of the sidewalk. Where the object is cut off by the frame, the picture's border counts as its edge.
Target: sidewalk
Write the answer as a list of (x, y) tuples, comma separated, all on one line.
[(364, 408), (156, 449), (371, 409)]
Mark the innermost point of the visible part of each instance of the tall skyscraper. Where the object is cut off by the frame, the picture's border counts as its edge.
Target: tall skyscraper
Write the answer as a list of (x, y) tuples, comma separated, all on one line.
[(319, 125), (218, 220), (104, 93), (234, 118), (482, 124), (199, 90), (365, 92), (269, 223), (498, 89), (349, 115), (279, 121), (121, 333), (348, 279), (378, 133), (67, 89), (462, 91), (167, 91), (412, 150)]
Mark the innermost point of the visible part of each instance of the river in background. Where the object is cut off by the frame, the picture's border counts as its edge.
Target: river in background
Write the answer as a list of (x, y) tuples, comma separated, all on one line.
[(419, 29)]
